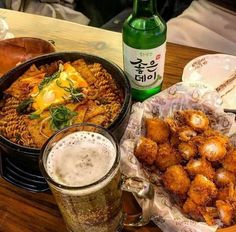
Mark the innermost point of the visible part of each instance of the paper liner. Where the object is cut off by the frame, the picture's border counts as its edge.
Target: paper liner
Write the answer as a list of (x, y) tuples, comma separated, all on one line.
[(178, 97)]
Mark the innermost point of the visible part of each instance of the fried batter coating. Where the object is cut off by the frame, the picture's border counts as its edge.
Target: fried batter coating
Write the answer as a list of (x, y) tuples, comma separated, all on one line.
[(209, 213), (225, 212), (192, 209), (157, 130), (227, 193), (180, 130), (146, 150), (187, 150), (223, 193), (229, 162), (202, 190), (166, 156), (224, 177), (210, 133), (198, 212), (173, 124), (197, 120), (176, 179), (200, 166), (213, 149), (186, 133), (174, 140)]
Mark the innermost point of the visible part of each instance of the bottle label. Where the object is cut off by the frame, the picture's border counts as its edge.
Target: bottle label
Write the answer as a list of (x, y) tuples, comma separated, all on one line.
[(144, 67)]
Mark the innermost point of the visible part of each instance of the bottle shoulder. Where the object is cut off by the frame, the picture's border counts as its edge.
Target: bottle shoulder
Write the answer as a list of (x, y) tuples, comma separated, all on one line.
[(154, 22), (144, 34)]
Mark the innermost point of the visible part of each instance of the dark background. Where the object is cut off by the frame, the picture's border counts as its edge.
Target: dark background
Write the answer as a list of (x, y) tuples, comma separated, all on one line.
[(110, 14)]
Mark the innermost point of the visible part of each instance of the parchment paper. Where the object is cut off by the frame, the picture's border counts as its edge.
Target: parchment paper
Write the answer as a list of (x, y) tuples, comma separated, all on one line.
[(178, 97)]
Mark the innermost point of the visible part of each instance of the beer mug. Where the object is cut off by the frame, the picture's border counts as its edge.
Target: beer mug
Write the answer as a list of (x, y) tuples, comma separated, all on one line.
[(81, 164)]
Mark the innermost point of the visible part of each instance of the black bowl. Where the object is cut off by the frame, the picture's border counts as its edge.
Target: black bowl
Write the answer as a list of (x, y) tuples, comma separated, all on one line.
[(19, 164)]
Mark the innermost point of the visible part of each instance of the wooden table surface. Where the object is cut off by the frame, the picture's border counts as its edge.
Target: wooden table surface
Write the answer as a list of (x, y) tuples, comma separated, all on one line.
[(22, 211)]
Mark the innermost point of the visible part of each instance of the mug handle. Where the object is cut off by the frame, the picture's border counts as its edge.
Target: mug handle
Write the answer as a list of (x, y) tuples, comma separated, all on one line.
[(143, 190)]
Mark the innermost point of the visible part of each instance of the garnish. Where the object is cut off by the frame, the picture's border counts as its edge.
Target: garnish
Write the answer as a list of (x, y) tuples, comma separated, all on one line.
[(103, 101), (18, 137), (75, 93), (61, 117), (34, 116), (42, 125), (23, 106), (48, 79)]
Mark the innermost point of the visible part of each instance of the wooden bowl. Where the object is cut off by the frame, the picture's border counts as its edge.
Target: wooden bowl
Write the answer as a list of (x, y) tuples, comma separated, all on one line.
[(17, 50)]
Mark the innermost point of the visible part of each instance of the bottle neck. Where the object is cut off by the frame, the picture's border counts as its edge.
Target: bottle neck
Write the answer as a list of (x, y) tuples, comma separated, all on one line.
[(144, 8)]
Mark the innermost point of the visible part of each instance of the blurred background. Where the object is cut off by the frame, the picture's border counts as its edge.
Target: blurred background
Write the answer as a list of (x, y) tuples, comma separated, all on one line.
[(109, 14), (208, 24)]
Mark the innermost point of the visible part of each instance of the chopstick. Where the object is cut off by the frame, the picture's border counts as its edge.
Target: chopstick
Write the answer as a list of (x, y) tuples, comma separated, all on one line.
[(231, 78), (230, 111)]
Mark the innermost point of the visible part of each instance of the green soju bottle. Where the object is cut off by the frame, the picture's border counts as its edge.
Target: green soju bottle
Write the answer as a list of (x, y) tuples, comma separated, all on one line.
[(144, 48)]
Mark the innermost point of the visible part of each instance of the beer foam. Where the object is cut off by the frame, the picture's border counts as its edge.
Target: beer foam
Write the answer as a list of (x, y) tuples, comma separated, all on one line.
[(80, 159)]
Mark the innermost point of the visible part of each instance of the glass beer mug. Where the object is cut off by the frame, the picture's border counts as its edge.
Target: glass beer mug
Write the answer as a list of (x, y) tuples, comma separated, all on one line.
[(81, 164)]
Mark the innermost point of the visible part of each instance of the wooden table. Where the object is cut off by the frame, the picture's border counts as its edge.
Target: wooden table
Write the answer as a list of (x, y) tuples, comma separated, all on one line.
[(22, 211)]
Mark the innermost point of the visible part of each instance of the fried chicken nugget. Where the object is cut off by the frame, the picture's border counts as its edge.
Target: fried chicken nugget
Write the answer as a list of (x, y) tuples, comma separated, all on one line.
[(213, 149), (174, 140), (225, 212), (209, 214), (173, 124), (210, 133), (146, 150), (192, 209), (227, 193), (176, 179), (186, 133), (229, 162), (224, 177), (157, 130), (166, 156), (197, 120), (199, 213), (180, 129), (187, 150), (202, 190), (200, 166)]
